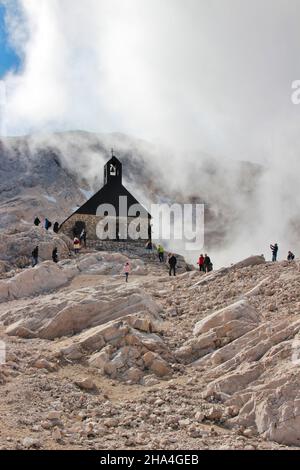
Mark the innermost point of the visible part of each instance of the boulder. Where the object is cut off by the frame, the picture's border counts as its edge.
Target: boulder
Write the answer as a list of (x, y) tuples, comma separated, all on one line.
[(100, 359), (18, 244), (251, 261), (156, 364), (86, 384), (225, 320), (73, 312), (160, 367), (45, 364), (134, 375), (30, 442), (33, 281)]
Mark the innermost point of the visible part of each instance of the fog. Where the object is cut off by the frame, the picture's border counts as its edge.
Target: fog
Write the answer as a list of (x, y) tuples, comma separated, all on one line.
[(195, 78)]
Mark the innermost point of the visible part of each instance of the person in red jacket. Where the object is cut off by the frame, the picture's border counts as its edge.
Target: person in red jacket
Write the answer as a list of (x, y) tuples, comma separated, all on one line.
[(201, 263), (76, 245)]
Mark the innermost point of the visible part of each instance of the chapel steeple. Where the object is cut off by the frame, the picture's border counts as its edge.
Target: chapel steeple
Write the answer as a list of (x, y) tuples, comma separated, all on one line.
[(113, 171)]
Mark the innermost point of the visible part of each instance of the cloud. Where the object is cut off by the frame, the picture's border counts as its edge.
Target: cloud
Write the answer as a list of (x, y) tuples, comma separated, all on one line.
[(210, 75)]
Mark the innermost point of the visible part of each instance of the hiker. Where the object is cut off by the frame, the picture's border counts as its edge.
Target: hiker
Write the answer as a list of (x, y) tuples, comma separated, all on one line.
[(55, 255), (207, 263), (274, 249), (149, 245), (83, 237), (172, 264), (161, 253), (37, 221), (56, 227), (47, 224), (127, 270), (35, 256), (76, 244), (201, 263), (150, 232), (290, 256)]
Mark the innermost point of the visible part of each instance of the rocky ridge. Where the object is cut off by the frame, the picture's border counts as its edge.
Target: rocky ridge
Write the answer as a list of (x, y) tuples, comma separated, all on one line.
[(196, 361)]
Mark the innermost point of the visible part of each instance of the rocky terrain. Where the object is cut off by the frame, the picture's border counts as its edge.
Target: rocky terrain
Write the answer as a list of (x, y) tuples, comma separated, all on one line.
[(199, 361)]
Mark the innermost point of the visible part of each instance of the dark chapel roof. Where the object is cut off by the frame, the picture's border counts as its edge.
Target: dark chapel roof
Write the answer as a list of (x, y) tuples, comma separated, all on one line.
[(110, 192)]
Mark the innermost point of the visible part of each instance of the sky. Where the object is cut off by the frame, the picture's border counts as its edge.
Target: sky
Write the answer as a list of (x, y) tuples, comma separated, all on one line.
[(9, 60), (196, 75), (209, 74)]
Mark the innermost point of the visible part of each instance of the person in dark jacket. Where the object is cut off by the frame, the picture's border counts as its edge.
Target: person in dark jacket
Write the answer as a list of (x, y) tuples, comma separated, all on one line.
[(207, 263), (37, 221), (290, 256), (172, 264), (274, 249), (149, 246), (35, 256), (56, 227), (47, 224), (82, 237), (55, 255)]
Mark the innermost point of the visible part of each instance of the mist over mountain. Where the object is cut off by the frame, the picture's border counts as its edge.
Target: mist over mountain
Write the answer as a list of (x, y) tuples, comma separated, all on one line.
[(53, 174), (208, 98)]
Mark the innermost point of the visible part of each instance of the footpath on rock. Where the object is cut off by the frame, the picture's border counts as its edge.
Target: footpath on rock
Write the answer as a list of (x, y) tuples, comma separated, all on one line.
[(196, 361)]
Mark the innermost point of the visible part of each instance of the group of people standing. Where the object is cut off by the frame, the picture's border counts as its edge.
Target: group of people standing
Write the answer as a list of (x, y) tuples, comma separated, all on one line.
[(47, 224), (204, 263), (35, 256), (171, 258), (35, 251), (274, 248)]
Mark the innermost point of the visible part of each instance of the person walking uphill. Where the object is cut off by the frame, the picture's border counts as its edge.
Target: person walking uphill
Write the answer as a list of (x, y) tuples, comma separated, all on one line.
[(56, 227), (55, 255), (149, 246), (172, 264), (35, 256), (201, 263), (48, 224), (274, 249), (127, 270), (161, 253)]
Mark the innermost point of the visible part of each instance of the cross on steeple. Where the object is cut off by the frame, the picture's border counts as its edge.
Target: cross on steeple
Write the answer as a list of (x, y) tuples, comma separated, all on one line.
[(112, 152)]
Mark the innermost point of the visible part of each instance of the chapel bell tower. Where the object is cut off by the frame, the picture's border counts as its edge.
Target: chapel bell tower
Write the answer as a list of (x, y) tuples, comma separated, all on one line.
[(113, 171)]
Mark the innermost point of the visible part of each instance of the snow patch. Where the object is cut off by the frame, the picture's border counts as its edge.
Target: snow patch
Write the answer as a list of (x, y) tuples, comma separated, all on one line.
[(50, 198), (87, 194)]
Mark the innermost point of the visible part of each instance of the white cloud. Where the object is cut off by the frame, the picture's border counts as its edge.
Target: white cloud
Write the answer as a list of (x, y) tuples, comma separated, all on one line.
[(212, 75), (198, 73)]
